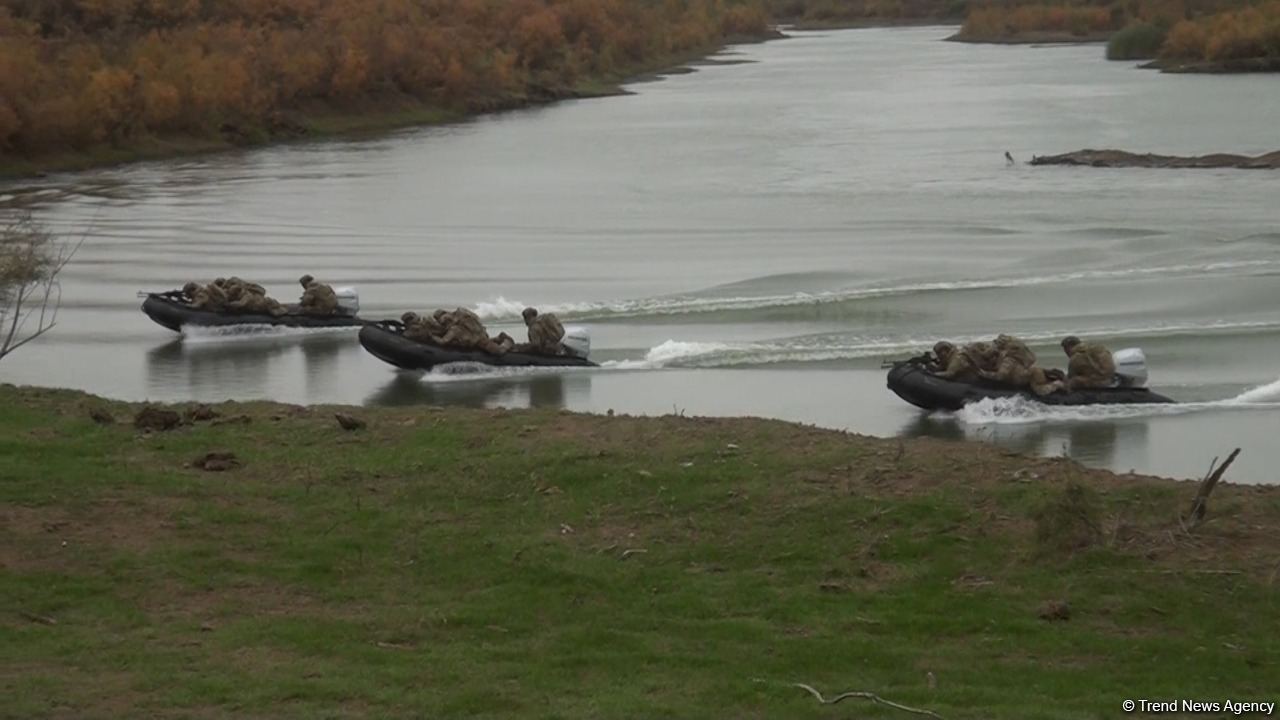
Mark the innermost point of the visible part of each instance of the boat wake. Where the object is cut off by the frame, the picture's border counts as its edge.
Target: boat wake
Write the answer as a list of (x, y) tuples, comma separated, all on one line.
[(1021, 411), (502, 309)]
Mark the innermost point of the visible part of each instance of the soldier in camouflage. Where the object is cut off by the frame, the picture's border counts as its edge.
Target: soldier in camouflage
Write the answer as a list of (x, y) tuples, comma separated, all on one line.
[(317, 298), (1017, 367), (423, 328), (205, 297), (545, 333), (464, 331), (1089, 365)]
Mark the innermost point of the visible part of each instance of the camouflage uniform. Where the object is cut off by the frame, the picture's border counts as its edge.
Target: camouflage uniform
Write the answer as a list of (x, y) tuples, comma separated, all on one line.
[(206, 297), (984, 355), (1017, 367), (422, 329), (464, 331), (545, 333), (252, 302), (317, 298), (1089, 365), (237, 288), (955, 364)]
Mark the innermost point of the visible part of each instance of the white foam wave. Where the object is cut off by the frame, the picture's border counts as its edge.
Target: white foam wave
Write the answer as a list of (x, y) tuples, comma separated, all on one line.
[(200, 334), (503, 309), (1021, 411), (1262, 394), (671, 352)]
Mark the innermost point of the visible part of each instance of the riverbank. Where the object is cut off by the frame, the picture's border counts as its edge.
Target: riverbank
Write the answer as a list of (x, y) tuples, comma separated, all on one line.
[(144, 100), (260, 560), (317, 121)]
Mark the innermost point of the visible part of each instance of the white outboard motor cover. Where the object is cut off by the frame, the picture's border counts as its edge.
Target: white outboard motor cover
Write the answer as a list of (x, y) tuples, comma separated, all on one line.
[(1131, 367), (577, 341), (348, 300)]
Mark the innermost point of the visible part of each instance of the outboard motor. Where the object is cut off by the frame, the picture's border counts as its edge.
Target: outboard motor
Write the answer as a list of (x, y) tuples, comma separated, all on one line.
[(1131, 367), (348, 301), (577, 342)]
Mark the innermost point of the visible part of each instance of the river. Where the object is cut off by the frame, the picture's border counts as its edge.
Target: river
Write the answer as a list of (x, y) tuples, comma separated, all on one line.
[(749, 239)]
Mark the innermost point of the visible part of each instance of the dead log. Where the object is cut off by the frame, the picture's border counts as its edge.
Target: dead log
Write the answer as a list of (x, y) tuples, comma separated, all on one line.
[(1200, 506)]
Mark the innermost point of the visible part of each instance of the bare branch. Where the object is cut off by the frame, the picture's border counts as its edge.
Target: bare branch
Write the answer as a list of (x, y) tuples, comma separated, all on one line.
[(31, 259)]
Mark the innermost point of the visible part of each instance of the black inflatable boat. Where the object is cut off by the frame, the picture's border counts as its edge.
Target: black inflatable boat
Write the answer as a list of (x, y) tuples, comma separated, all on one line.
[(915, 384), (386, 341), (172, 311)]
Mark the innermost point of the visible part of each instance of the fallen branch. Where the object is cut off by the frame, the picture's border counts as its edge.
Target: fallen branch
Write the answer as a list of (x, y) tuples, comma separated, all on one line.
[(1200, 506), (868, 696)]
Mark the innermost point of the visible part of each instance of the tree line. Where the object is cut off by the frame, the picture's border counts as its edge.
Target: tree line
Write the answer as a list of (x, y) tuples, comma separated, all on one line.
[(80, 73), (1176, 30)]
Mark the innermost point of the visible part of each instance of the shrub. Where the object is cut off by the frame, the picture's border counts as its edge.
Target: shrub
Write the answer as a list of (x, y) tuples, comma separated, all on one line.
[(1139, 41)]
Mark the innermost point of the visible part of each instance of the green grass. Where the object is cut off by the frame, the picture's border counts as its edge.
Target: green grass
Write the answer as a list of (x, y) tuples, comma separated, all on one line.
[(447, 563)]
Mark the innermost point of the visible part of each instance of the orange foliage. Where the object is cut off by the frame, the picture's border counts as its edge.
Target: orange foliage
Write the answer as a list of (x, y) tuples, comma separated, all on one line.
[(998, 21), (1186, 40), (1199, 30), (74, 73)]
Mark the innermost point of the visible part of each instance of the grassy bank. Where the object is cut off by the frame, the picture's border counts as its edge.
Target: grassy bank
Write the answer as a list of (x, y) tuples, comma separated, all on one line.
[(446, 563)]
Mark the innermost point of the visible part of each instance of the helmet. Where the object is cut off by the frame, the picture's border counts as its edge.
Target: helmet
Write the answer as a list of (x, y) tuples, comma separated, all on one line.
[(943, 347), (1069, 342), (190, 288), (219, 281), (306, 280), (408, 317), (529, 314)]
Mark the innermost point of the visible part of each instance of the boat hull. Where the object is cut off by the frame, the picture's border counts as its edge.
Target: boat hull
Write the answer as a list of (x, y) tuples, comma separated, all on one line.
[(921, 388), (391, 347), (174, 315)]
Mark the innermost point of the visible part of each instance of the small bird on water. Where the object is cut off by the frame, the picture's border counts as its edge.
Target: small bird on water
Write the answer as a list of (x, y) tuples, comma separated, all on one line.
[(1008, 158)]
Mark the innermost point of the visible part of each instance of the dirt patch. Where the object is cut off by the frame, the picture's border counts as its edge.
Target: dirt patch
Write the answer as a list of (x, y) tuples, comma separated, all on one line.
[(54, 539), (216, 462), (154, 419)]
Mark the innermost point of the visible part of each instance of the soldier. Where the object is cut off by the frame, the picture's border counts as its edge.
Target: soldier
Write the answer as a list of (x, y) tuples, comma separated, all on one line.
[(463, 330), (1089, 365), (237, 288), (205, 297), (545, 333), (954, 364), (255, 302), (423, 329), (317, 298), (984, 355), (1017, 367)]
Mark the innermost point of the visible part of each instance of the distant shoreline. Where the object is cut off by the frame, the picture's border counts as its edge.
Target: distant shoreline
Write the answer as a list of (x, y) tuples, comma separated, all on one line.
[(377, 115), (1031, 38)]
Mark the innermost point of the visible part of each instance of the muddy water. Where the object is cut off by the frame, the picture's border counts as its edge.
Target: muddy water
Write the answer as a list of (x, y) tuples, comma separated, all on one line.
[(749, 239)]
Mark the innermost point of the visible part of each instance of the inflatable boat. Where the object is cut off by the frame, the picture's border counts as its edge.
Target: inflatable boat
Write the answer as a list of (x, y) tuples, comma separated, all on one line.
[(386, 341), (171, 310), (912, 381)]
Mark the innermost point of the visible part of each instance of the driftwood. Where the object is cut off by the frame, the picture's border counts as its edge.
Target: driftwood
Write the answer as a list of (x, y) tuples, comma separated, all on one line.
[(1200, 506), (868, 696)]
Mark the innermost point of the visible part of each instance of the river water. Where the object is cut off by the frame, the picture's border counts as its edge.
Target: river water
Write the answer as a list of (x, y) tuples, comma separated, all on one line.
[(749, 239)]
